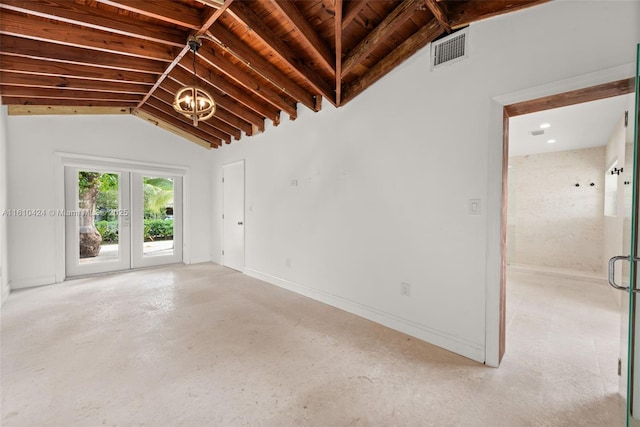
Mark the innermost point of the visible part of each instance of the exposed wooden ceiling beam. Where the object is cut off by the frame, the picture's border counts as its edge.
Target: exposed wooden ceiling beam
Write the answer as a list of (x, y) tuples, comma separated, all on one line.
[(202, 29), (202, 126), (213, 122), (31, 92), (338, 31), (45, 110), (212, 17), (133, 54), (578, 96), (439, 14), (231, 44), (178, 119), (150, 115), (388, 25), (351, 10), (417, 41), (243, 13), (56, 82), (168, 11), (103, 41), (222, 113), (91, 17), (310, 37), (462, 14), (69, 103), (51, 68), (225, 86), (183, 77), (262, 90), (19, 46), (165, 74)]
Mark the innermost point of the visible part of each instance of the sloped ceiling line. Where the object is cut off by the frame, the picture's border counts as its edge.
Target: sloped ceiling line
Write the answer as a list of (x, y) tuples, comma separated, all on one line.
[(262, 57)]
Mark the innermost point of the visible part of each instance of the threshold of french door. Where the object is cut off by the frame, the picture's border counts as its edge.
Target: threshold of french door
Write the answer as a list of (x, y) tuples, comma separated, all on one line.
[(127, 270)]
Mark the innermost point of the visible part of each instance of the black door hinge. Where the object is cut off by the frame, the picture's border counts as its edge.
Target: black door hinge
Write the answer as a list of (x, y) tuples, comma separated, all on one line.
[(626, 118)]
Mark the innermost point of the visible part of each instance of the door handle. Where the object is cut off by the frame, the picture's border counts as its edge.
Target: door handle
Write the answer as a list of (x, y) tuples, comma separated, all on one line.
[(239, 222), (612, 272)]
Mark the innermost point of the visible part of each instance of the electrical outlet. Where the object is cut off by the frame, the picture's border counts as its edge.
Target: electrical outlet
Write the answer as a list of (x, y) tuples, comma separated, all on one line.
[(405, 289), (287, 262)]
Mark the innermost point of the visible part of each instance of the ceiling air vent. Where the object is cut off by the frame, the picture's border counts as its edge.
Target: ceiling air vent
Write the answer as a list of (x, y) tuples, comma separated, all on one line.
[(450, 49)]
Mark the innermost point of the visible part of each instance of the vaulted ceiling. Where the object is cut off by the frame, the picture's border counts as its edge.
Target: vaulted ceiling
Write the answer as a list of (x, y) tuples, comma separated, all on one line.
[(260, 59)]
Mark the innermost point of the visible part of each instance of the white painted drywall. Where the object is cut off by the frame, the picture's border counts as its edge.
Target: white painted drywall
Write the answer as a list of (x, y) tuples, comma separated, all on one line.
[(32, 142), (4, 279), (383, 184), (552, 222)]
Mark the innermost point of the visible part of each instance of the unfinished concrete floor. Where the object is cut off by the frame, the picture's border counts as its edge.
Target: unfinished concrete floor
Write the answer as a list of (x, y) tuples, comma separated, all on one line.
[(202, 345)]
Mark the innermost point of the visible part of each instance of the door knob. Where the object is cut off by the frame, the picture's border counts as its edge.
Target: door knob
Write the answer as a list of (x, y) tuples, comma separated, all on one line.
[(239, 222)]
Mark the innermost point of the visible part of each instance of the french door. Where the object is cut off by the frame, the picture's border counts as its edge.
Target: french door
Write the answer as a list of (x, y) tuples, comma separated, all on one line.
[(118, 220), (627, 269)]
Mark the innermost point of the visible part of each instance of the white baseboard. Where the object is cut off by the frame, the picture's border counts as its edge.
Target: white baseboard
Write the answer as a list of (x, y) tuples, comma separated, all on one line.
[(199, 260), (31, 282), (473, 351)]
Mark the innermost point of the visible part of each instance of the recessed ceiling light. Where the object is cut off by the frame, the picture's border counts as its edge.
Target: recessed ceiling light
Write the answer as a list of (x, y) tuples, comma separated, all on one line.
[(551, 141), (545, 126)]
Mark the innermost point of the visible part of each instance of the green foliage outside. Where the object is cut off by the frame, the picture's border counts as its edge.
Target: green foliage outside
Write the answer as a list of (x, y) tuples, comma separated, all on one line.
[(158, 195), (108, 230), (154, 229), (103, 182), (159, 229)]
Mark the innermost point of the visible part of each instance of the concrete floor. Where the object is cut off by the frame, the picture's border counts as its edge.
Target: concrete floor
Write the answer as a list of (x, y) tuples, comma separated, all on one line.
[(202, 345)]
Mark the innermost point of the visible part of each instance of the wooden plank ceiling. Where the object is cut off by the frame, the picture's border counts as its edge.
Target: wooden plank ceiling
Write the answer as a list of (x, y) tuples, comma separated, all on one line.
[(260, 59)]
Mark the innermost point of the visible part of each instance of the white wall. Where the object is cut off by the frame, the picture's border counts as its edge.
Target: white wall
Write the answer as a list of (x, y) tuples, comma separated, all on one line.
[(4, 279), (32, 142), (384, 182), (556, 224)]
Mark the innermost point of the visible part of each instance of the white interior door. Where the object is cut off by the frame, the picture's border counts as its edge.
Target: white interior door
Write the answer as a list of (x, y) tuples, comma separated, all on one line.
[(117, 220), (233, 215)]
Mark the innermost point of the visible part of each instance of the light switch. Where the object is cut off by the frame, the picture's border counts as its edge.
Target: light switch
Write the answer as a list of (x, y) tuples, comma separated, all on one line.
[(474, 207)]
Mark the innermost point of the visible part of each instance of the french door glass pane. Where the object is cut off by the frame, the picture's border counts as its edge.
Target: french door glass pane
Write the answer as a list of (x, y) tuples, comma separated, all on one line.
[(98, 213), (633, 339), (159, 198)]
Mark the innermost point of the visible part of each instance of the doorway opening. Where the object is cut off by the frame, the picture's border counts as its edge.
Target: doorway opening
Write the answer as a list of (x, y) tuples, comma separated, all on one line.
[(561, 312)]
